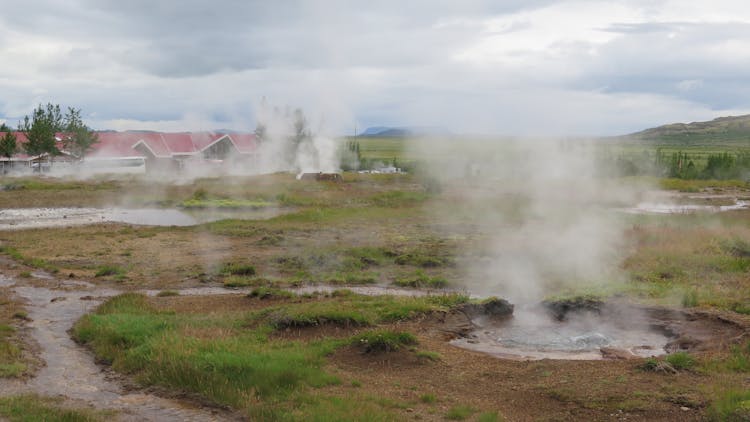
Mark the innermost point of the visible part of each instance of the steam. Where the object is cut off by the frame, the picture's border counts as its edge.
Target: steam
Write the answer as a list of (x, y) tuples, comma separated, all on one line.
[(544, 216), (286, 143)]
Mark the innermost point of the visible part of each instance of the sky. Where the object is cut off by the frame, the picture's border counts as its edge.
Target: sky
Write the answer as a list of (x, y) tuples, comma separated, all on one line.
[(510, 67)]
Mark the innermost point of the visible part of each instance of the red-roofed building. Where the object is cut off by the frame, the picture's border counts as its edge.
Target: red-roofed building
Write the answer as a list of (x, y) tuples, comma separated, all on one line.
[(158, 151)]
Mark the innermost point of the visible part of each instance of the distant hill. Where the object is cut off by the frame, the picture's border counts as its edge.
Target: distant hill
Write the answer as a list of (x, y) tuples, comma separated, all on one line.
[(730, 130), (404, 131)]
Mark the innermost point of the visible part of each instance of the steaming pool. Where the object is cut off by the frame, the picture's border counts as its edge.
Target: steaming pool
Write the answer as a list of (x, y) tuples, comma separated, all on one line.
[(532, 333), (30, 218)]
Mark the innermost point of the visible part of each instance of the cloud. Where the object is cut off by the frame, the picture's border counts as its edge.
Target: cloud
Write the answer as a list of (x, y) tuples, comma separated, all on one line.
[(477, 66)]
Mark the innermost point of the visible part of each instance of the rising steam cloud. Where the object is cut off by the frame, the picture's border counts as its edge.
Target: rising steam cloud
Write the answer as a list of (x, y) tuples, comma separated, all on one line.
[(543, 215), (286, 143)]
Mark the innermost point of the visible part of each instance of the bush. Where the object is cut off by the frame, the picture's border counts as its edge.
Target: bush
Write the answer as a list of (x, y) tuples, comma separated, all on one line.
[(384, 341)]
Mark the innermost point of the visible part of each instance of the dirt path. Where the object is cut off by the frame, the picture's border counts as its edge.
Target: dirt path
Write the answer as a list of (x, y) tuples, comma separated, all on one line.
[(70, 370)]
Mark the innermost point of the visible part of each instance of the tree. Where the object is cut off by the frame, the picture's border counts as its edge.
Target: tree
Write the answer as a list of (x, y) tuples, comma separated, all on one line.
[(40, 130), (8, 145), (4, 127), (78, 139)]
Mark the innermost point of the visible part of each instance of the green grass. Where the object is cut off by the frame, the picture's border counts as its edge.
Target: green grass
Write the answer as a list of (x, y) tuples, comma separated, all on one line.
[(428, 398), (270, 293), (459, 413), (680, 360), (11, 363), (234, 268), (427, 356), (421, 280), (731, 405), (29, 261), (226, 203), (32, 408), (110, 270), (489, 417), (378, 341), (168, 293), (354, 310), (246, 369)]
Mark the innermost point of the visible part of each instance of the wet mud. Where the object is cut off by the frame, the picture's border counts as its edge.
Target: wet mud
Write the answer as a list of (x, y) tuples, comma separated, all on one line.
[(30, 218)]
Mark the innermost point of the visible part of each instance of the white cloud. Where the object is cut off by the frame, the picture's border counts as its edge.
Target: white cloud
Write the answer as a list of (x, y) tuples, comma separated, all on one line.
[(581, 67)]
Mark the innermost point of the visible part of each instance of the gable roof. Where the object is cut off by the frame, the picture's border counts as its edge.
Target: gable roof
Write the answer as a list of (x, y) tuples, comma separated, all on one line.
[(163, 145)]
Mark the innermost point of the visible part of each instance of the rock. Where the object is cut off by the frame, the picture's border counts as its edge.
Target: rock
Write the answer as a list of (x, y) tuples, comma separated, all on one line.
[(492, 307), (684, 409), (559, 309), (57, 299), (615, 353)]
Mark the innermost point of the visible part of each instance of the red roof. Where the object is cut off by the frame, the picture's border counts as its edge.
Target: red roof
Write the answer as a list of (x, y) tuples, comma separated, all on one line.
[(245, 142), (122, 144)]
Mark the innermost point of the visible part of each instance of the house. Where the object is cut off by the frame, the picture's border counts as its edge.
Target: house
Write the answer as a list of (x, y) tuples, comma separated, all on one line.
[(21, 161), (139, 151)]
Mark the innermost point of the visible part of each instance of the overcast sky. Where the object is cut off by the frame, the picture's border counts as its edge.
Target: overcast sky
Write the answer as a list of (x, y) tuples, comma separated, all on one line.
[(508, 67)]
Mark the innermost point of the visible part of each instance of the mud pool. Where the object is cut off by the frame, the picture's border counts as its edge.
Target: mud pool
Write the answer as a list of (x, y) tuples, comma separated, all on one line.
[(30, 218), (532, 334)]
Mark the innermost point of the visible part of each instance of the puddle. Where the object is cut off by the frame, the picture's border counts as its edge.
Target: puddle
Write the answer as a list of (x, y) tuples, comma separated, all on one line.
[(6, 281), (362, 290), (70, 370), (667, 208), (30, 218)]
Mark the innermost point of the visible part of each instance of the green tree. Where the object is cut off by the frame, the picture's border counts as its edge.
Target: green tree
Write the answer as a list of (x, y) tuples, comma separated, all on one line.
[(78, 139), (4, 127), (8, 145), (40, 130)]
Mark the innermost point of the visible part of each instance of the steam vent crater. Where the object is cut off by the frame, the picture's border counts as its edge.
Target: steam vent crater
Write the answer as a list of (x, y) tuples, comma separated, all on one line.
[(588, 329)]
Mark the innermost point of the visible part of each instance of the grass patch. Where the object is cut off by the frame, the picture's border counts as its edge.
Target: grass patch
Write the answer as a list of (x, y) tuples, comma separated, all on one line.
[(11, 365), (427, 356), (196, 203), (459, 413), (354, 310), (730, 405), (422, 260), (35, 408), (379, 341), (422, 280), (241, 281), (428, 398), (128, 332), (168, 293), (110, 270), (234, 268), (680, 360), (31, 262), (270, 293), (489, 417)]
